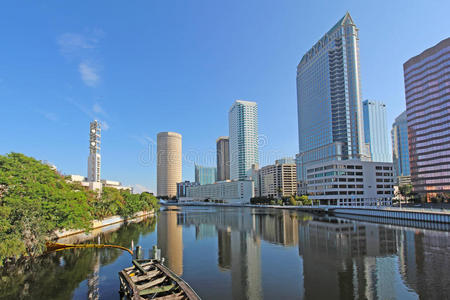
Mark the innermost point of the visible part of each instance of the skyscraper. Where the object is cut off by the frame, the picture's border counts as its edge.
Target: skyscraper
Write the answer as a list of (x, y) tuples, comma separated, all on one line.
[(427, 91), (375, 130), (205, 175), (223, 158), (94, 160), (330, 123), (169, 163), (243, 125), (400, 151)]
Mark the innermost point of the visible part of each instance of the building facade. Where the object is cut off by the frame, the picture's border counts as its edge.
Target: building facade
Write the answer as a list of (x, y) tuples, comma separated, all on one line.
[(223, 158), (243, 127), (168, 163), (427, 91), (239, 191), (182, 188), (400, 151), (351, 183), (330, 122), (205, 175), (116, 185), (278, 180), (375, 130), (94, 160)]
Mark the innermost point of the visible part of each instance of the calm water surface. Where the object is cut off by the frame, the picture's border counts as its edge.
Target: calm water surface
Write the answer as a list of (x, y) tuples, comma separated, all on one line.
[(243, 253)]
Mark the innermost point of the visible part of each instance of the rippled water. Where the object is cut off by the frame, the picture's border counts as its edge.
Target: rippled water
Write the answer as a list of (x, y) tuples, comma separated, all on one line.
[(243, 253)]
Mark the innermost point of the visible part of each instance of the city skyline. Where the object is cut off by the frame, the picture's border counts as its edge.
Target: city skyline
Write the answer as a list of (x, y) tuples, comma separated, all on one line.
[(72, 77)]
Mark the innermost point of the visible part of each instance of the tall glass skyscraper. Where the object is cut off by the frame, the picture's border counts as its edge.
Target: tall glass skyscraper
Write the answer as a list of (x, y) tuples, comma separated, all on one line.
[(243, 126), (427, 91), (205, 175), (330, 123), (375, 130), (400, 151)]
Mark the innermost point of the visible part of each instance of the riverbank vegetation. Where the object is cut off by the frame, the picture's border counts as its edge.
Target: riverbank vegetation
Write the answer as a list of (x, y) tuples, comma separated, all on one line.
[(292, 200), (36, 200)]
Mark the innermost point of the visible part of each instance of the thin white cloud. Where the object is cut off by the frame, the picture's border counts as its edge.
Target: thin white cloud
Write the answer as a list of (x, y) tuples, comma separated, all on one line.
[(105, 125), (73, 44), (98, 109), (91, 113), (89, 74), (49, 115)]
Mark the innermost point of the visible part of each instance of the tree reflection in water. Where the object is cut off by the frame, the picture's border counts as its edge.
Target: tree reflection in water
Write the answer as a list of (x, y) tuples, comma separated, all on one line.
[(56, 275)]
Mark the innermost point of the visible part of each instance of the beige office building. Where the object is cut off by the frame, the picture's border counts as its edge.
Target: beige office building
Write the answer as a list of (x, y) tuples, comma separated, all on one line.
[(168, 163), (279, 180)]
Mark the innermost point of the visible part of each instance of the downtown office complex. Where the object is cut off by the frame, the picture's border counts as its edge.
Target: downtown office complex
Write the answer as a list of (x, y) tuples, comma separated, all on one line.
[(331, 125), (427, 91)]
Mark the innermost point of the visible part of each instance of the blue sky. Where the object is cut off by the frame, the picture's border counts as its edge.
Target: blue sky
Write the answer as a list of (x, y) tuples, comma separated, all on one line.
[(178, 65)]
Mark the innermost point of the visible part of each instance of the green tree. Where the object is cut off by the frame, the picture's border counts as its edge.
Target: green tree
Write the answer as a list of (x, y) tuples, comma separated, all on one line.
[(292, 201), (405, 191), (35, 201)]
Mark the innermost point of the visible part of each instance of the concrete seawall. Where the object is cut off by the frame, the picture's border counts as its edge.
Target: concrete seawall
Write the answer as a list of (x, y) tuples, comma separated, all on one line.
[(99, 226), (423, 215)]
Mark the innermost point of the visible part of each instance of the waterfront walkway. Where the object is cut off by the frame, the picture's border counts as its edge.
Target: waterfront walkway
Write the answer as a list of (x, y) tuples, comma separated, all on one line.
[(413, 214)]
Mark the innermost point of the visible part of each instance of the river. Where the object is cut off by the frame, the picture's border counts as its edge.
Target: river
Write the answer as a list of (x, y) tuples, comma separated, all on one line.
[(245, 253)]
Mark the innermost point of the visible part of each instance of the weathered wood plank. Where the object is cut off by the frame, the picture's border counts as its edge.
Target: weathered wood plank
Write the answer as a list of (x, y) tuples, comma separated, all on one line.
[(151, 283), (138, 266), (161, 289), (171, 297), (183, 285), (130, 287), (147, 275)]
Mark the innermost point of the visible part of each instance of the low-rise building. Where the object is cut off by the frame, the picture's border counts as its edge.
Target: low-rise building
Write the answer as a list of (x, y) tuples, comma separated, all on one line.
[(239, 191), (182, 188), (94, 185), (351, 182), (116, 185), (279, 180)]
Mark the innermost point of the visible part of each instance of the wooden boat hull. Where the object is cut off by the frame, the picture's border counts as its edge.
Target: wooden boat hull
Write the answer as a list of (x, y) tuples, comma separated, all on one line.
[(149, 279)]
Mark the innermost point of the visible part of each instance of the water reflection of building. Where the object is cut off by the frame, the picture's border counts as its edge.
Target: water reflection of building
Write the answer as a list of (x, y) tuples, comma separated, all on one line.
[(203, 231), (245, 265), (93, 280), (343, 257), (278, 228), (238, 246), (424, 262), (224, 248), (170, 240)]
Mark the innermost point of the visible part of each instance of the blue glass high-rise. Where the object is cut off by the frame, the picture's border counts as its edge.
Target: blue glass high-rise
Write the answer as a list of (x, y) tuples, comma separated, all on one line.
[(375, 130), (330, 123), (205, 175), (400, 151)]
